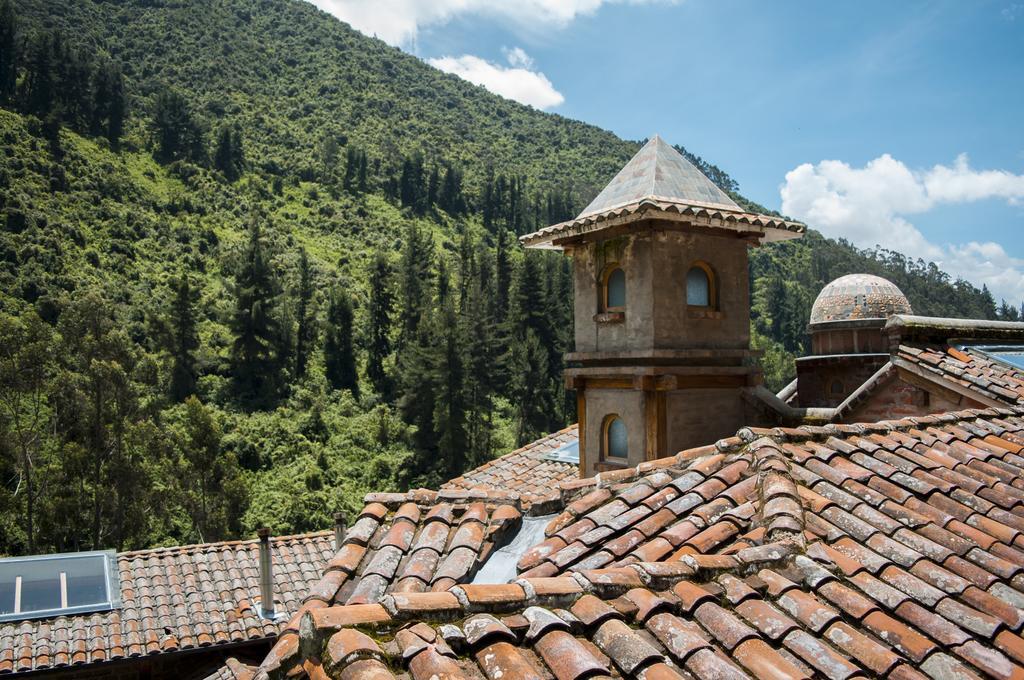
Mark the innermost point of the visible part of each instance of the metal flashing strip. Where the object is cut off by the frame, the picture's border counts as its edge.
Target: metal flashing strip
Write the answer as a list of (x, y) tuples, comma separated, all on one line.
[(567, 453)]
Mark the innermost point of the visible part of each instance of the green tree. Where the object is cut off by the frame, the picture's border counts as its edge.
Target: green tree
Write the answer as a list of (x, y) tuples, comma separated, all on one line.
[(482, 371), (8, 51), (418, 374), (339, 353), (110, 107), (415, 268), (379, 309), (98, 404), (229, 156), (26, 364), (530, 388), (213, 489), (450, 199), (329, 158), (184, 339), (450, 406), (177, 131), (255, 326), (503, 277), (305, 335), (39, 95)]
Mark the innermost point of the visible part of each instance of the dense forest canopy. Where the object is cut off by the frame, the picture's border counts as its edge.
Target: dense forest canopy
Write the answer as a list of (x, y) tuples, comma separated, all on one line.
[(254, 264)]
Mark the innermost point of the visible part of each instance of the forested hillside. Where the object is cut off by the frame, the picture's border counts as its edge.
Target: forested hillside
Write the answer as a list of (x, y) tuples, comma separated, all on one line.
[(254, 264)]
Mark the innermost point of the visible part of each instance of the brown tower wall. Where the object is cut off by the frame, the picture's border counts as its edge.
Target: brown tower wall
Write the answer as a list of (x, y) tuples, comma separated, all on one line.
[(655, 261)]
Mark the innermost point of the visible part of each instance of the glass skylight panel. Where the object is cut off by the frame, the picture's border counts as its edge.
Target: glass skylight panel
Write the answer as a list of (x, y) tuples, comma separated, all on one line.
[(1011, 355), (567, 453), (1015, 359), (41, 586)]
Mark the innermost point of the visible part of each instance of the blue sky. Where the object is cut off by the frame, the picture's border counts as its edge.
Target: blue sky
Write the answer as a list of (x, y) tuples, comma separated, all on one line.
[(896, 123)]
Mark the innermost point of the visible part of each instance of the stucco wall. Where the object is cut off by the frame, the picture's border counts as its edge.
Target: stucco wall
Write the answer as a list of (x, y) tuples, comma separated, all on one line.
[(633, 255), (702, 416), (656, 317), (678, 327), (628, 405), (694, 418)]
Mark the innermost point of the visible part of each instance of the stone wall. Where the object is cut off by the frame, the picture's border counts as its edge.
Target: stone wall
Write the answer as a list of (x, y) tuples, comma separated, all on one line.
[(817, 375)]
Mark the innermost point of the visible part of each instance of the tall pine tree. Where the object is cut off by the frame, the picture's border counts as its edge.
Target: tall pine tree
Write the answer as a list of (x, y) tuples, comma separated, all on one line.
[(305, 335), (378, 345), (229, 156), (8, 51), (177, 131), (450, 405), (184, 339), (339, 352), (39, 96), (254, 353), (417, 258), (110, 107)]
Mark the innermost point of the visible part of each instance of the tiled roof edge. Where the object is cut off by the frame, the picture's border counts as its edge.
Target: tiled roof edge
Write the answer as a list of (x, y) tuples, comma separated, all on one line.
[(641, 207)]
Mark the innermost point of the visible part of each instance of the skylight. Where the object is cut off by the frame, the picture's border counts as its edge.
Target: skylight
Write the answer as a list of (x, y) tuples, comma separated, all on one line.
[(567, 453), (1011, 355), (41, 586)]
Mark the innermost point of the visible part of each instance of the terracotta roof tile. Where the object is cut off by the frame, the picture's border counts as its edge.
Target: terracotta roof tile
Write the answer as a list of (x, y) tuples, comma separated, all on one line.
[(968, 369), (525, 471), (174, 599), (405, 551), (842, 551)]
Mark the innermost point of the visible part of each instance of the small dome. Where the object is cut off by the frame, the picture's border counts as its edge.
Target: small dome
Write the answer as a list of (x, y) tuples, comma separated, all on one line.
[(859, 296)]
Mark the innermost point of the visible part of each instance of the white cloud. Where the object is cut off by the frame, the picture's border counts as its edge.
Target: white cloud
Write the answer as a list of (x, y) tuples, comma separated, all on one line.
[(869, 206), (517, 57), (398, 21), (515, 81)]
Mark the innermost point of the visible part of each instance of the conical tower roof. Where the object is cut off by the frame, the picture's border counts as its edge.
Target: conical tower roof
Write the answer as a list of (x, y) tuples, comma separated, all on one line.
[(659, 172)]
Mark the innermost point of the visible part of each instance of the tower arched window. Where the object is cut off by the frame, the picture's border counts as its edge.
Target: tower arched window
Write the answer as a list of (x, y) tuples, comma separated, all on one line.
[(613, 296), (700, 286), (614, 439)]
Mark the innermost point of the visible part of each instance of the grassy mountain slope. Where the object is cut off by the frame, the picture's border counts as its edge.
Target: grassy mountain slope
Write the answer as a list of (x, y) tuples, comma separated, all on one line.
[(83, 218), (291, 74)]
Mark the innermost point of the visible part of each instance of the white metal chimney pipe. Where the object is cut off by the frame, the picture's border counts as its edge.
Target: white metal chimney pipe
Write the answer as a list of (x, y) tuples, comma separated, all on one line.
[(266, 575)]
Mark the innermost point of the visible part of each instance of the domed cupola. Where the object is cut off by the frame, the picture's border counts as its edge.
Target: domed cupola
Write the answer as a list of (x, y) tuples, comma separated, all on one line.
[(847, 341), (859, 296)]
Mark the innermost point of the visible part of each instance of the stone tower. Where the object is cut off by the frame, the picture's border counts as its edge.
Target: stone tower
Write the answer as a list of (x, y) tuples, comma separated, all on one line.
[(662, 310)]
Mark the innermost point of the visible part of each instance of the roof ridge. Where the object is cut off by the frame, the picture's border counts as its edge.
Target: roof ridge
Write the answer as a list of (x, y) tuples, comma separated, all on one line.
[(425, 497), (200, 547)]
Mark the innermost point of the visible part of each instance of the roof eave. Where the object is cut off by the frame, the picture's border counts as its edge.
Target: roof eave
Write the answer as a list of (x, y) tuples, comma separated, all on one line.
[(769, 229)]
